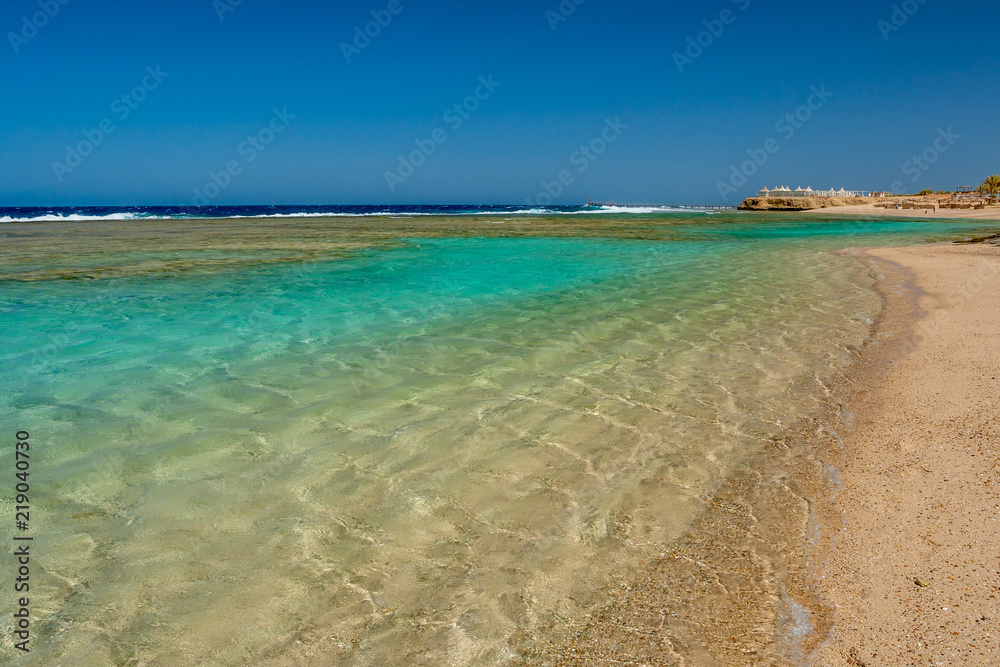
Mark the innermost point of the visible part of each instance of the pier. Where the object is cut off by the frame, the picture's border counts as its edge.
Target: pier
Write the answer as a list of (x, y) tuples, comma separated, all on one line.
[(701, 207), (687, 207)]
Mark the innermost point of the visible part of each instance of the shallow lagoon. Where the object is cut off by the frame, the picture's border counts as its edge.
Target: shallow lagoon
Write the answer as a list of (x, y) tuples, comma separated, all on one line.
[(397, 440)]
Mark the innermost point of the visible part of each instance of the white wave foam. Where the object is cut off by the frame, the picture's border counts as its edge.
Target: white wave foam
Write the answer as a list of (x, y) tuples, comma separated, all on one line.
[(295, 215), (74, 217), (603, 210), (377, 214), (553, 211), (643, 209)]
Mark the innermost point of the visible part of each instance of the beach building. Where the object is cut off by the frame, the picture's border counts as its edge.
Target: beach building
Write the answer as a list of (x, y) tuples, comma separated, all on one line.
[(785, 191)]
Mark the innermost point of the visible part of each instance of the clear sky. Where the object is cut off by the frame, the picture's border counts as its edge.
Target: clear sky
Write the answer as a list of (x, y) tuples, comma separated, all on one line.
[(267, 90)]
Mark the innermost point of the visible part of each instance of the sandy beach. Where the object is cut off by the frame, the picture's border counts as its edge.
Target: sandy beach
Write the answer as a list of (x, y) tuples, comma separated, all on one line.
[(914, 573), (992, 213)]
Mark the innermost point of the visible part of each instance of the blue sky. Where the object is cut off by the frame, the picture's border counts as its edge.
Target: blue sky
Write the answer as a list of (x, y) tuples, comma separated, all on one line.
[(889, 96)]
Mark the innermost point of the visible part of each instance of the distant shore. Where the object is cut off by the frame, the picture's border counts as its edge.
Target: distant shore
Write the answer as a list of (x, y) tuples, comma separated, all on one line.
[(913, 574), (990, 213), (867, 206)]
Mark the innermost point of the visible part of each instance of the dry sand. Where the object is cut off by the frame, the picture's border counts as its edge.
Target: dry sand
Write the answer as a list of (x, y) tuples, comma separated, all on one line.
[(991, 213), (914, 575)]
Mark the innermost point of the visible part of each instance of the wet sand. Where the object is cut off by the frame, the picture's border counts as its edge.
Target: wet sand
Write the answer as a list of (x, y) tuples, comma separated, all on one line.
[(914, 573)]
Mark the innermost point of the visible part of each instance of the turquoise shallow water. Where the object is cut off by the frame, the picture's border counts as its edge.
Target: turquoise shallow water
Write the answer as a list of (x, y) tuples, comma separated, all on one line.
[(411, 452)]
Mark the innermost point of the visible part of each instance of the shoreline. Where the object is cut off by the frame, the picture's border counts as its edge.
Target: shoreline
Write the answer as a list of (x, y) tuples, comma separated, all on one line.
[(910, 573), (739, 584)]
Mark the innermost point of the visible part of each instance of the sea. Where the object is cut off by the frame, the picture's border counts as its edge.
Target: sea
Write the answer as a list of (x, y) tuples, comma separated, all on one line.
[(96, 213), (418, 435)]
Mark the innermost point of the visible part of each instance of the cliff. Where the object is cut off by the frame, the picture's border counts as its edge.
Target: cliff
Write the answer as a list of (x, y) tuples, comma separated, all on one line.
[(800, 203)]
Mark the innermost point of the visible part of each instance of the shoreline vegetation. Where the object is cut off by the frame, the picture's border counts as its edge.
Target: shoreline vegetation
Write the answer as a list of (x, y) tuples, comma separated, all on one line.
[(911, 576)]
